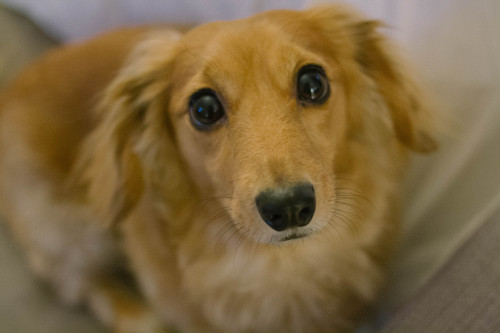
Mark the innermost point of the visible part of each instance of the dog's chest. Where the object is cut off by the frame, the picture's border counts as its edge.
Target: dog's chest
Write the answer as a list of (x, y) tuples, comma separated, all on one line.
[(295, 286)]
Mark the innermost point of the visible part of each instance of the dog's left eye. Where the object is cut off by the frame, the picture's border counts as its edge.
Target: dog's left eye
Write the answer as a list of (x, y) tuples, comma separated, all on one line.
[(312, 85), (205, 109)]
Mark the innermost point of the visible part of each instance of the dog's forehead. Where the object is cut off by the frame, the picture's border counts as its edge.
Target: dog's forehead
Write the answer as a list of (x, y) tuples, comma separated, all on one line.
[(224, 40), (265, 49), (246, 28)]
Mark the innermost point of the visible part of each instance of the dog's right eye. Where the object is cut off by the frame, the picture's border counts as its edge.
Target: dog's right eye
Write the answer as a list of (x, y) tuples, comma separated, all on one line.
[(205, 109), (312, 85)]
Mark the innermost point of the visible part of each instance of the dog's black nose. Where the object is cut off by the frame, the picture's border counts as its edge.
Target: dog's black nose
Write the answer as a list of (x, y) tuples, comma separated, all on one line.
[(287, 207)]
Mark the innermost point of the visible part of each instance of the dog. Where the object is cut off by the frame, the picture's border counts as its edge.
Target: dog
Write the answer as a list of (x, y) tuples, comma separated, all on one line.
[(238, 176)]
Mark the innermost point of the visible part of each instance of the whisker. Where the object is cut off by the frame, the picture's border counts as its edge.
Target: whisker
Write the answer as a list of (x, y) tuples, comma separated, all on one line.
[(227, 229), (239, 242), (333, 225), (349, 223), (340, 220)]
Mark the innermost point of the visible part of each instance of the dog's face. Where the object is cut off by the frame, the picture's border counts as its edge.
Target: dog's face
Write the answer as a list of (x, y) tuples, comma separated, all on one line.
[(258, 117), (264, 113)]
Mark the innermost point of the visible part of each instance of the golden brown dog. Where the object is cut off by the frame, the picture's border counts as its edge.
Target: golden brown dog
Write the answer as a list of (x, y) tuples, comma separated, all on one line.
[(239, 177)]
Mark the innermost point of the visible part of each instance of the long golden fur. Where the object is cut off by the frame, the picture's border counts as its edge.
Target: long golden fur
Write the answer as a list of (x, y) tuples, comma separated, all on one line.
[(152, 222)]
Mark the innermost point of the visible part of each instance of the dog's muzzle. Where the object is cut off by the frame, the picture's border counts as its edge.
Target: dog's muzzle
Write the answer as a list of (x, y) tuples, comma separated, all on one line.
[(287, 207)]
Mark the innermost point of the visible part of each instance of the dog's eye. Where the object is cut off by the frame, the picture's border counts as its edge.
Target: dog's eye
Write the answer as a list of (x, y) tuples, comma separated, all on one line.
[(312, 85), (205, 109)]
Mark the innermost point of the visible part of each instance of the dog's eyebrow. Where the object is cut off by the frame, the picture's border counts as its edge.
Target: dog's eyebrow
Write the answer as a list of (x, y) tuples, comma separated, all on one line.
[(214, 69), (199, 82), (213, 76)]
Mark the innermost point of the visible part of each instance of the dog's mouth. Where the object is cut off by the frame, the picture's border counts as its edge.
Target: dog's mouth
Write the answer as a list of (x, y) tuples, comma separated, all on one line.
[(294, 235)]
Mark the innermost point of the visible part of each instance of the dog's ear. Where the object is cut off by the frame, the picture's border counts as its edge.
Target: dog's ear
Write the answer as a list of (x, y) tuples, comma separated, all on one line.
[(111, 169), (376, 57)]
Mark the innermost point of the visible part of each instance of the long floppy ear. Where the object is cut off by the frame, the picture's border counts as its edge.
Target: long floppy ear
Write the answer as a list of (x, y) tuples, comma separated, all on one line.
[(110, 168), (376, 57)]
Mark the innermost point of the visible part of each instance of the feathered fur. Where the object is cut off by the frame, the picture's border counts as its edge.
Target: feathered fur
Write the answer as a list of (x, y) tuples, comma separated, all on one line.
[(134, 190)]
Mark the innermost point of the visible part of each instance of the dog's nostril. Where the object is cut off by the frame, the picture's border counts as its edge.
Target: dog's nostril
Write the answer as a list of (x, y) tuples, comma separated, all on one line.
[(305, 216), (276, 218), (277, 221), (284, 208)]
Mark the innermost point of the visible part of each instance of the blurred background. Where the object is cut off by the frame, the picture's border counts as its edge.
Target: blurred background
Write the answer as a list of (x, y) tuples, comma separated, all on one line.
[(449, 196)]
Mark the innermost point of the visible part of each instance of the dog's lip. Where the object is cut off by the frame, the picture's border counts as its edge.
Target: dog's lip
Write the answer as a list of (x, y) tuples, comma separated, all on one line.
[(294, 235)]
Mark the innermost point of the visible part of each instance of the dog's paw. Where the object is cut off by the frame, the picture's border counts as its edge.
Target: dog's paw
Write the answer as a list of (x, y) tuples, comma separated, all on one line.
[(122, 309)]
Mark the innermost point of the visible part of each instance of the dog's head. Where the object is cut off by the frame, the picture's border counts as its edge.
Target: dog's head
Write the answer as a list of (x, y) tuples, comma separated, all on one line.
[(262, 117)]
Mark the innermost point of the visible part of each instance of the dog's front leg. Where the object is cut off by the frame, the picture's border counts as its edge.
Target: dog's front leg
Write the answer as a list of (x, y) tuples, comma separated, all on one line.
[(120, 308)]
